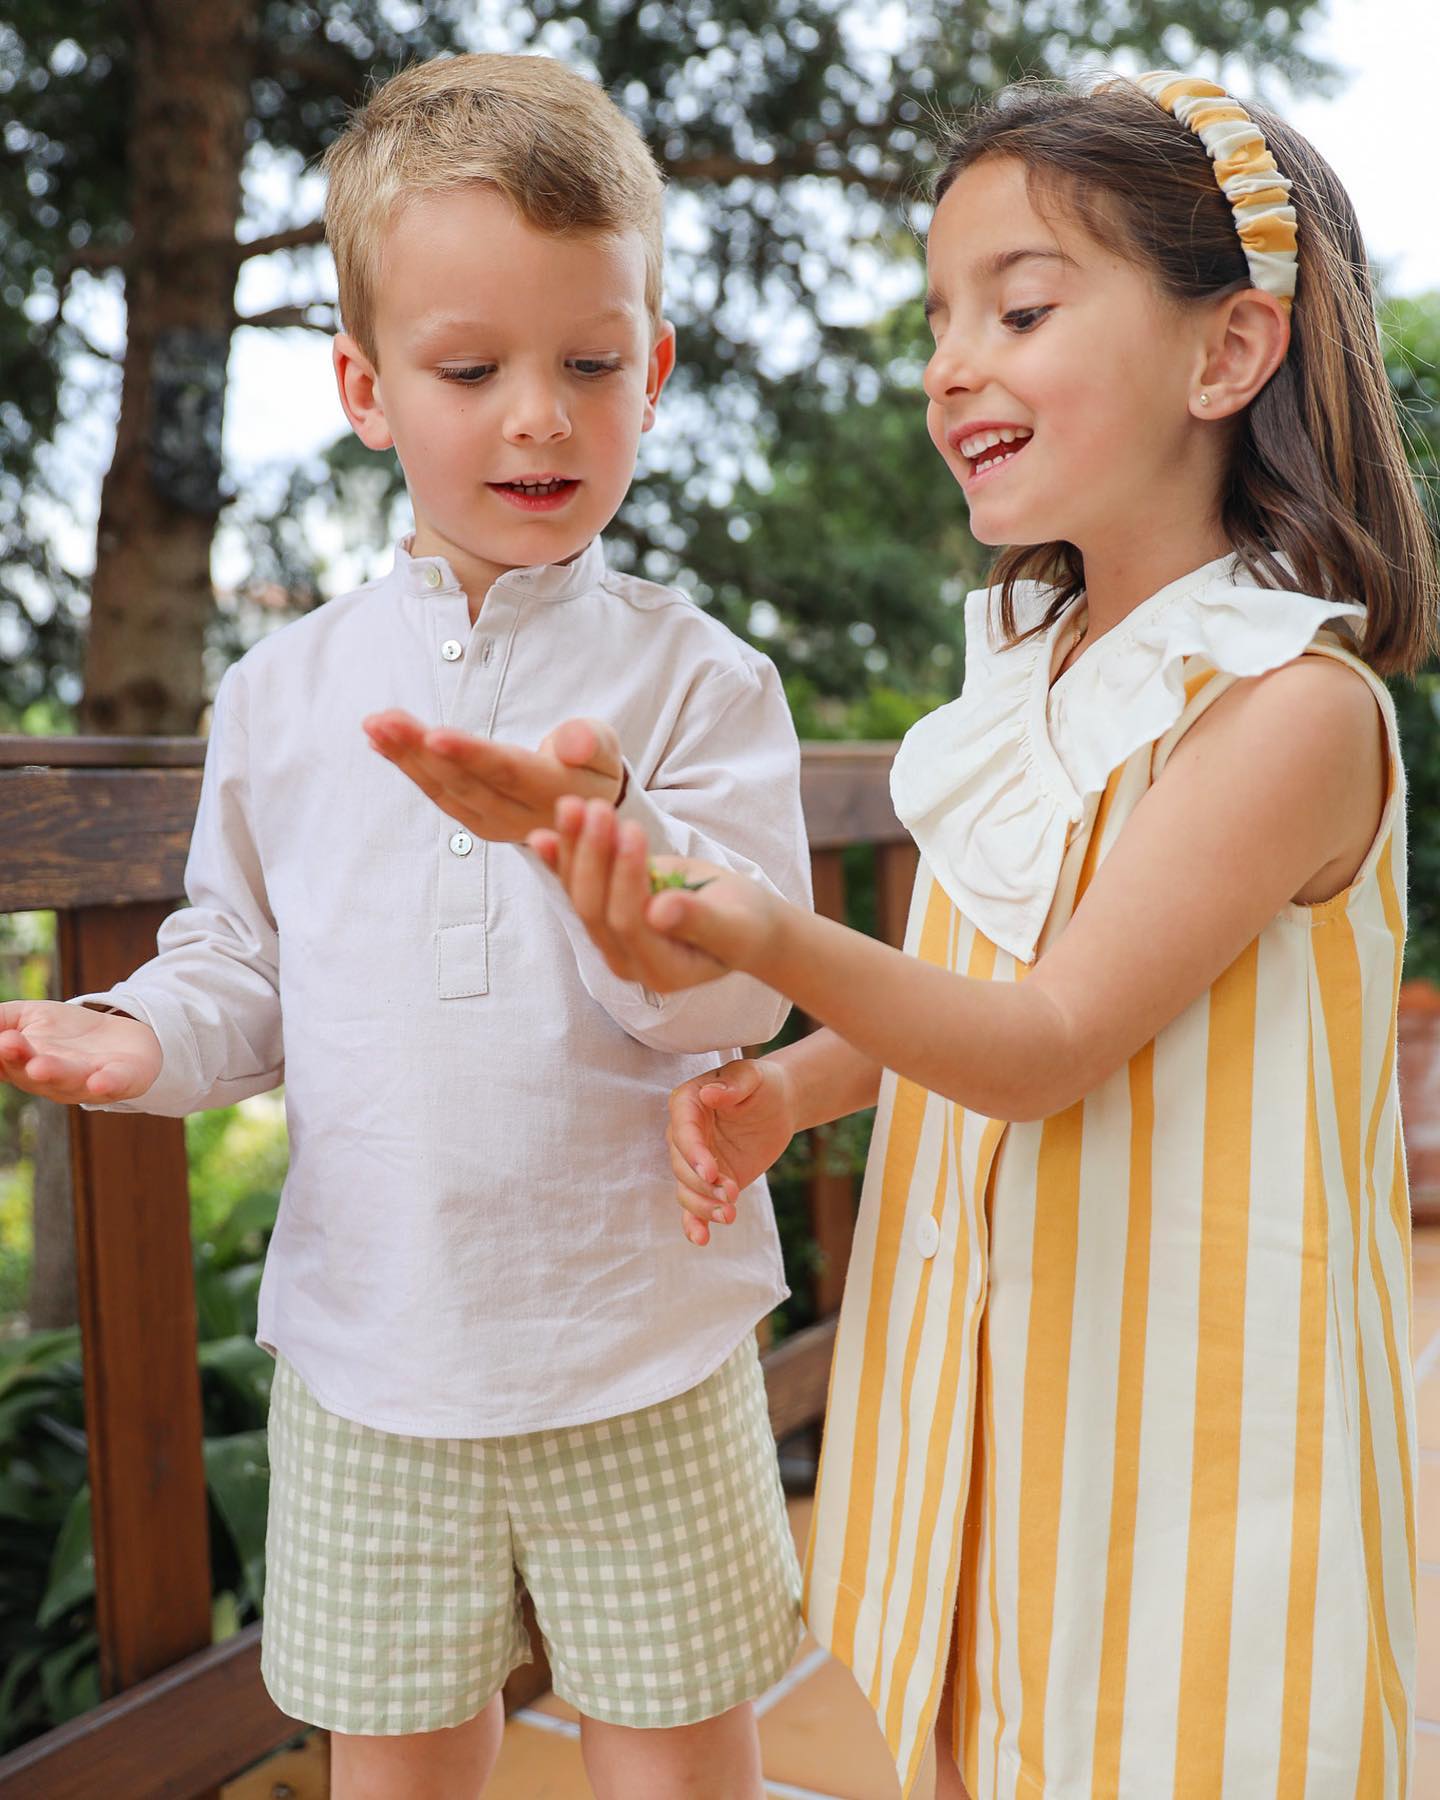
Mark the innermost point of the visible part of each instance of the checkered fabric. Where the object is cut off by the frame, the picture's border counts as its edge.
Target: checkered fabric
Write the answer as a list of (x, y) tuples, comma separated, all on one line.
[(655, 1546)]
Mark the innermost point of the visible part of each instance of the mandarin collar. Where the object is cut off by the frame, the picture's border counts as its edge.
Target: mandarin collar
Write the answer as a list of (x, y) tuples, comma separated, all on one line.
[(430, 576)]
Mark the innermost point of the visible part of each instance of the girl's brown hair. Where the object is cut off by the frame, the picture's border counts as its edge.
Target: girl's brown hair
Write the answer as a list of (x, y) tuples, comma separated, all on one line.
[(1317, 474)]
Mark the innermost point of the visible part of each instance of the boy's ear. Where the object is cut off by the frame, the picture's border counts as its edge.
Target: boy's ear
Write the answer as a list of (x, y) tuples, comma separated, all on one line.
[(359, 383), (1245, 343), (662, 361)]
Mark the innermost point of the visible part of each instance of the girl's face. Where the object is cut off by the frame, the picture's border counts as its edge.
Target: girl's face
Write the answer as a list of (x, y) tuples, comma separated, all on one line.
[(1061, 381)]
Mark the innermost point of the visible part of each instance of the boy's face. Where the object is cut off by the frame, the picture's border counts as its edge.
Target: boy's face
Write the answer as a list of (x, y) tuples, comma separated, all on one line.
[(505, 358)]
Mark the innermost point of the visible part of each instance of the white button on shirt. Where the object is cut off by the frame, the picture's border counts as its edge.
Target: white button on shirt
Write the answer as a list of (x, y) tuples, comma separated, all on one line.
[(927, 1237), (478, 1234)]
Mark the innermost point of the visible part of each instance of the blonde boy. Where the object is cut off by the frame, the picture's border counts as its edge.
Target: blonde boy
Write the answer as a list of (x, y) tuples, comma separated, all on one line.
[(497, 1355)]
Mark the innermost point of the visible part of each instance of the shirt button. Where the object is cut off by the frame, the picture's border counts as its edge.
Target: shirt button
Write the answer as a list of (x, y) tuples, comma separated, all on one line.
[(432, 576), (452, 649), (461, 844), (927, 1237)]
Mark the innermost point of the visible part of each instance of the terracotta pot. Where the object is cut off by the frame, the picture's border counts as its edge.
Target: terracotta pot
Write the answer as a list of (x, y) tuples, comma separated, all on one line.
[(1419, 1053)]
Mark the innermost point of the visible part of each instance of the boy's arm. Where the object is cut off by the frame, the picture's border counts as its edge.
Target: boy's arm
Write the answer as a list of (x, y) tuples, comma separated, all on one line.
[(211, 993), (727, 791)]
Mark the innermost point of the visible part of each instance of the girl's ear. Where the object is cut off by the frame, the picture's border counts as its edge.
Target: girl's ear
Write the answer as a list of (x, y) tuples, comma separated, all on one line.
[(358, 380), (1244, 345)]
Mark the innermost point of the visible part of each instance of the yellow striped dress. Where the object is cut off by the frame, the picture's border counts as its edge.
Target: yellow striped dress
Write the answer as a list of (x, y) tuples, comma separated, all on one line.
[(1121, 1403)]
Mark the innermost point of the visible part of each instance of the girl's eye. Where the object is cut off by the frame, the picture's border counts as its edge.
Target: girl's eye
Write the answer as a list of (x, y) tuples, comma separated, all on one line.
[(594, 366), (1026, 318), (468, 376)]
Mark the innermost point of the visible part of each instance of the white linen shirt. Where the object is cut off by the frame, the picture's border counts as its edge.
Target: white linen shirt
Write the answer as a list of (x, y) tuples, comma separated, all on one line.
[(478, 1234)]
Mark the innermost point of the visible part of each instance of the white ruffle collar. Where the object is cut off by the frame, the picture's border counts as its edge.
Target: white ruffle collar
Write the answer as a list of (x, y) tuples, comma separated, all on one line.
[(990, 784)]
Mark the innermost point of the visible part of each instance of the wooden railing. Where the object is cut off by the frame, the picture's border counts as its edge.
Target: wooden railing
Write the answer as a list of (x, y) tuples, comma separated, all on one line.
[(97, 830)]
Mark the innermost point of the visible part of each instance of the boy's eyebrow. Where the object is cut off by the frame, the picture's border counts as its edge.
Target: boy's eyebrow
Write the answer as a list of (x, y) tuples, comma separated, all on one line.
[(990, 267), (438, 324)]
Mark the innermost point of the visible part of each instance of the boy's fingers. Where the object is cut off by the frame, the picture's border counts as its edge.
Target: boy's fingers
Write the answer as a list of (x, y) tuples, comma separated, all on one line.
[(696, 1230)]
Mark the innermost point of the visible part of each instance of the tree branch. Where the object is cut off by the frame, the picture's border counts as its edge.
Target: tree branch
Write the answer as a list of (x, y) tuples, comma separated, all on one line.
[(286, 317), (721, 169), (294, 239)]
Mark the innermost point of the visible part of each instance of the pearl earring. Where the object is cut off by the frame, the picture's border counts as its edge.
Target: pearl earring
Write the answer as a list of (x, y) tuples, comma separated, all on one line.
[(1204, 399)]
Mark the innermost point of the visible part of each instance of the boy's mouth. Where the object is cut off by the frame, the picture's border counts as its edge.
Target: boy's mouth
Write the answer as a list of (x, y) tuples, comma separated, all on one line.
[(543, 493)]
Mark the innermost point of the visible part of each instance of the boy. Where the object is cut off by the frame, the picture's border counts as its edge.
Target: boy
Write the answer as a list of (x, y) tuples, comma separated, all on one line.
[(495, 1350)]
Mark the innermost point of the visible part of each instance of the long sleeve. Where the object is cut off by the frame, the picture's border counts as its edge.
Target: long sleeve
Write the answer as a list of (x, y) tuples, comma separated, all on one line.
[(726, 790), (211, 994)]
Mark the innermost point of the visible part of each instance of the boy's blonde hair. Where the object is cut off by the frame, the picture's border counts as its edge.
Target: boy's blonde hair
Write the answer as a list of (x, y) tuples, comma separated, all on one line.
[(550, 141)]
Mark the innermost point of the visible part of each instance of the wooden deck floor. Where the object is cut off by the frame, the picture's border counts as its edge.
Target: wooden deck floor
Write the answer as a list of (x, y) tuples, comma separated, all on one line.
[(819, 1739)]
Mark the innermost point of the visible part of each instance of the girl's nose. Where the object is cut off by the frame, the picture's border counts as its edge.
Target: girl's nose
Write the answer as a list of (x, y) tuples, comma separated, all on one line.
[(949, 371)]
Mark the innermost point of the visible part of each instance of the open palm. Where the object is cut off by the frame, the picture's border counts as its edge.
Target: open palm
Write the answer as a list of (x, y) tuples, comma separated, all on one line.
[(70, 1053)]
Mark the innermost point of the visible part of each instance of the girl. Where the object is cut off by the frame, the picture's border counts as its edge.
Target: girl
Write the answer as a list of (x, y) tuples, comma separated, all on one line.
[(1118, 1478)]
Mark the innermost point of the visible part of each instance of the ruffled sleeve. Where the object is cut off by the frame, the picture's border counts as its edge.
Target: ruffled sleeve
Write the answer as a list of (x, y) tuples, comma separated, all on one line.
[(991, 785)]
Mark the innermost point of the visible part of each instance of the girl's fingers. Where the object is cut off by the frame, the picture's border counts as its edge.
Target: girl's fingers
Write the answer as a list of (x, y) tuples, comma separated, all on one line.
[(630, 883), (696, 1230), (707, 1198), (546, 845)]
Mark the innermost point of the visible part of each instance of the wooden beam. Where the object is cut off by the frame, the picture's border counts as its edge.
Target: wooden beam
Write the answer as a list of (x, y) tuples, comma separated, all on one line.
[(94, 837), (179, 1734), (18, 752), (138, 1332), (845, 789)]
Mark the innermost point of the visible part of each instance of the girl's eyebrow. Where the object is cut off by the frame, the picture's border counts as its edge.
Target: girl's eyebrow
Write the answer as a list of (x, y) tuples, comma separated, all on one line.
[(990, 268)]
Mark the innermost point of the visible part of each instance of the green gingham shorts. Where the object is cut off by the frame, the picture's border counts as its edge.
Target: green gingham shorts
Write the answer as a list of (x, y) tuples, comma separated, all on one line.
[(655, 1547)]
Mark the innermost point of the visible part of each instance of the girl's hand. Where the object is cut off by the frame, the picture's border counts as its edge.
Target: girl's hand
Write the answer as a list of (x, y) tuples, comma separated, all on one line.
[(727, 1127), (72, 1053), (675, 939)]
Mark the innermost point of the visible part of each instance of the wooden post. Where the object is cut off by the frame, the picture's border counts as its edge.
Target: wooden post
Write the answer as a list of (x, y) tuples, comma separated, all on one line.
[(895, 866), (137, 1317)]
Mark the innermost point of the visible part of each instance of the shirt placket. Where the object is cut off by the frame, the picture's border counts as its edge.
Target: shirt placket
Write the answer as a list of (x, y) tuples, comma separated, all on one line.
[(469, 666)]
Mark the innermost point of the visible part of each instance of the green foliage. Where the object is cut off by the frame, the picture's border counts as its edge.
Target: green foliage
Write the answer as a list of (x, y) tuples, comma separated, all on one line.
[(793, 139), (48, 1653), (1411, 332)]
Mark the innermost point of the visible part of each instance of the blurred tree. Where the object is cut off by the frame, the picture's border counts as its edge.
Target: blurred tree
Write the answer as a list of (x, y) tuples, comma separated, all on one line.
[(792, 131), (1411, 332)]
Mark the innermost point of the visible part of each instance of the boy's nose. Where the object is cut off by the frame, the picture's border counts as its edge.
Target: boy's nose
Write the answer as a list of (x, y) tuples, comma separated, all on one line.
[(536, 416)]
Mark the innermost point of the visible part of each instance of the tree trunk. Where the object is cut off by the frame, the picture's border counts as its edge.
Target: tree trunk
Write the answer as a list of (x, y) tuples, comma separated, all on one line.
[(151, 598)]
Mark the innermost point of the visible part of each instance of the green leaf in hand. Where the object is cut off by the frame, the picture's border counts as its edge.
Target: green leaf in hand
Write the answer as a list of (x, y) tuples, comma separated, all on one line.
[(675, 878)]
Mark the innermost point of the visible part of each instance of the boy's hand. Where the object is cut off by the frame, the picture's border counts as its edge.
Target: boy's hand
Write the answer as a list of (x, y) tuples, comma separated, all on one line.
[(500, 791), (72, 1053), (674, 939), (726, 1128)]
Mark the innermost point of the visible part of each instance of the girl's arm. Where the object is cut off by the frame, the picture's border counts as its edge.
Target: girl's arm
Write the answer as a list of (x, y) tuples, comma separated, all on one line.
[(828, 1077), (1275, 794)]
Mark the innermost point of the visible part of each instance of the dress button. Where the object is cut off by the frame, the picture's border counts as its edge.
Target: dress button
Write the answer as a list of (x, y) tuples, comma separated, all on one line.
[(452, 649), (461, 844), (432, 577), (927, 1237)]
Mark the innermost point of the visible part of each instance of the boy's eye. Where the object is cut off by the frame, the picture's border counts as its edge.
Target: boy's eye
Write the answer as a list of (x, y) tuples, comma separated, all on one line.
[(469, 375), (1026, 318), (595, 365)]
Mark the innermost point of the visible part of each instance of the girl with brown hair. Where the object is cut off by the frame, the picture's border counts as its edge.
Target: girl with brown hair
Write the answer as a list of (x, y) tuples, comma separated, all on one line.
[(1118, 1479)]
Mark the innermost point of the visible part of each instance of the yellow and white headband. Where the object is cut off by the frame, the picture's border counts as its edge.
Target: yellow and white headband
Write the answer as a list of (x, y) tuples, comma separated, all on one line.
[(1258, 193)]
